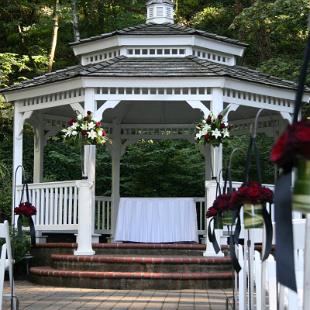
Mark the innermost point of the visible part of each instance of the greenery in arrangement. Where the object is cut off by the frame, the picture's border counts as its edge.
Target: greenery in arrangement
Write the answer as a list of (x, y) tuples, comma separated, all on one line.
[(31, 44)]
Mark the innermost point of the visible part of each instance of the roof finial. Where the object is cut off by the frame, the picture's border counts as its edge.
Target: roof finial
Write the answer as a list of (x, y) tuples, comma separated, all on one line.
[(160, 11)]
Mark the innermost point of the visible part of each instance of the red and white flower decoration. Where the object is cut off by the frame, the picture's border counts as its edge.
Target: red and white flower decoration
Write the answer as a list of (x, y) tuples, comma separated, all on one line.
[(85, 130), (213, 130)]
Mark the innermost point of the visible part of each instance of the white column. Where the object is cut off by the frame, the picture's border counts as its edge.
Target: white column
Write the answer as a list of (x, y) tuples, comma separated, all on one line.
[(217, 106), (210, 187), (116, 160), (85, 226), (17, 152), (38, 153), (90, 158)]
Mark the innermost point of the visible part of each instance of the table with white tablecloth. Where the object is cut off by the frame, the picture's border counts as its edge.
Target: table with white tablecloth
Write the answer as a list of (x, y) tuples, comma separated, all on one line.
[(157, 220)]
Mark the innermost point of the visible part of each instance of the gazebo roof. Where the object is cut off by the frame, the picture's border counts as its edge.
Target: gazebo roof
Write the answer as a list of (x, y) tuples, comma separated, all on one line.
[(123, 66), (161, 29)]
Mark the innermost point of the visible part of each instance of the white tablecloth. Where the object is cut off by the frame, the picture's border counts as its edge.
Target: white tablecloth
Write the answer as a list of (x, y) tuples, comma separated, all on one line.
[(156, 220)]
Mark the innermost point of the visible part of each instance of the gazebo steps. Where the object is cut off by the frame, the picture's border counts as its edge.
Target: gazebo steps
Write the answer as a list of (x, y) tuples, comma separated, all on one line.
[(130, 266), (131, 280), (125, 263), (43, 252)]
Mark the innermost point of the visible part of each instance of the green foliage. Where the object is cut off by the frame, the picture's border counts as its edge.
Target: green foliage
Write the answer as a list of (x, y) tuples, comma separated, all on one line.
[(21, 245), (162, 169)]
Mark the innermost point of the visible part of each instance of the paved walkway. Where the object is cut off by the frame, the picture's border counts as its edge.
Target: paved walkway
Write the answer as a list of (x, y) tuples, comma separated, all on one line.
[(35, 297)]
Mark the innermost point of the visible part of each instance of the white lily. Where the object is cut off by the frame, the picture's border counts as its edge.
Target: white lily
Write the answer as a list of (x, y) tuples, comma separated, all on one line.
[(74, 133), (216, 133), (74, 125), (92, 135), (205, 129), (80, 117), (91, 125), (225, 133), (198, 135), (84, 126)]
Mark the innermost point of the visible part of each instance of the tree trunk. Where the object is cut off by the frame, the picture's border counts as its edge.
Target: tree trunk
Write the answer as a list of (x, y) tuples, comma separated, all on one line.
[(54, 36), (75, 21)]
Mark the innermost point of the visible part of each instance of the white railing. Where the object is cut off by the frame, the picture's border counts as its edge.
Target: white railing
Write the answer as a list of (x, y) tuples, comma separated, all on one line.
[(56, 203), (201, 215), (103, 212)]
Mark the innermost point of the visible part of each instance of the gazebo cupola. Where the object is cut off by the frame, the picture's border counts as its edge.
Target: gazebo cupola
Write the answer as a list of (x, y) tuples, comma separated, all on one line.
[(160, 12)]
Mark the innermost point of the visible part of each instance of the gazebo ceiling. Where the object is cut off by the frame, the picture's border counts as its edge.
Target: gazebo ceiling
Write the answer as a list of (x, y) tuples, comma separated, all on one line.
[(152, 112)]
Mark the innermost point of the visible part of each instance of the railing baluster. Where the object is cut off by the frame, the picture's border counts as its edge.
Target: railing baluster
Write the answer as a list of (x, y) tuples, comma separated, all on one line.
[(46, 206), (42, 206), (75, 204), (65, 219), (70, 206), (61, 206), (56, 203), (51, 208)]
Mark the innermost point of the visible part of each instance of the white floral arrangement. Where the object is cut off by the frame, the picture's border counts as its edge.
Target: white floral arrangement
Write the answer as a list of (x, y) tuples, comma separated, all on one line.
[(213, 130), (84, 130)]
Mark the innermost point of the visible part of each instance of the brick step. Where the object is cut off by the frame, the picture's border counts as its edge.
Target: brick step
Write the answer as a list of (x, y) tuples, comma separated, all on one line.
[(131, 280), (143, 263), (42, 252)]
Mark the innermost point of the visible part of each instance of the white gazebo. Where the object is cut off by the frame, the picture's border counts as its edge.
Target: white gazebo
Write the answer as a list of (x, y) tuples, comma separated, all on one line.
[(152, 81)]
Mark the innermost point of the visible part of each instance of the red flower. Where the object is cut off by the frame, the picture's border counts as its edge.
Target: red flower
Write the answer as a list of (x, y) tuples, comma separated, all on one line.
[(104, 133), (98, 124), (26, 209), (211, 212), (222, 202), (84, 133), (209, 120), (253, 192), (220, 117), (222, 126), (70, 123), (294, 142)]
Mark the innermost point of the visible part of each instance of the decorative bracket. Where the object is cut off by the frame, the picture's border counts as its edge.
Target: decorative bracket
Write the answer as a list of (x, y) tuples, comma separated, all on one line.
[(109, 104), (25, 116), (232, 107), (288, 116), (77, 107), (195, 104)]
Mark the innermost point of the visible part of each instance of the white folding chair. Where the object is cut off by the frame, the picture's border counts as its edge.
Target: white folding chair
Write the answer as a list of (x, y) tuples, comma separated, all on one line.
[(6, 264)]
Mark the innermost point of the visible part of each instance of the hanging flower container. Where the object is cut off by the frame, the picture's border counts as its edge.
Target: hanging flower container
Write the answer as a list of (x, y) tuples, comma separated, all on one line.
[(253, 197), (301, 194), (218, 221), (253, 215), (292, 149), (228, 217)]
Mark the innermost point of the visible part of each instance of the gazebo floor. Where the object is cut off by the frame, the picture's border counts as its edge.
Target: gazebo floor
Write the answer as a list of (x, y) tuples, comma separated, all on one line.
[(130, 266)]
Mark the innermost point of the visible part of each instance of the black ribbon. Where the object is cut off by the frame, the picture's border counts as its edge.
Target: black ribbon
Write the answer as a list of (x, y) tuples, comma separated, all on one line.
[(269, 233), (212, 237), (31, 226), (284, 233), (237, 229), (233, 255)]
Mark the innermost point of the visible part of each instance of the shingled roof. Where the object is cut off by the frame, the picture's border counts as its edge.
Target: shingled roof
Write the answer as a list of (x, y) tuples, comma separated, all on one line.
[(189, 66), (161, 29)]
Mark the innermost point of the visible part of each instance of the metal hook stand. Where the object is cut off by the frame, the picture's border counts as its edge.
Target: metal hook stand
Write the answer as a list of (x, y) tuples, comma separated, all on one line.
[(14, 298)]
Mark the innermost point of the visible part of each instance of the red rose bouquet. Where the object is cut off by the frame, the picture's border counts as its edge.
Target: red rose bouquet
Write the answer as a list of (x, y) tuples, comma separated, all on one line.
[(252, 192), (293, 143), (25, 208)]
